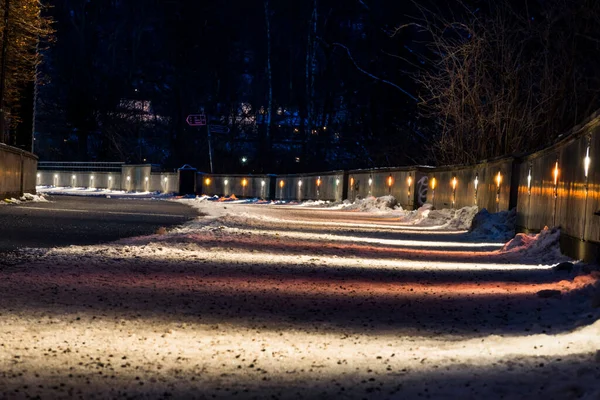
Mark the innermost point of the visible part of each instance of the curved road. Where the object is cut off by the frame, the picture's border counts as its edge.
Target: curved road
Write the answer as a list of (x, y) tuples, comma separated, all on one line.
[(67, 220)]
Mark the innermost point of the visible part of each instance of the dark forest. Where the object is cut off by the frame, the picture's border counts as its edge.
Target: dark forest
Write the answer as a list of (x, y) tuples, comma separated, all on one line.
[(312, 85)]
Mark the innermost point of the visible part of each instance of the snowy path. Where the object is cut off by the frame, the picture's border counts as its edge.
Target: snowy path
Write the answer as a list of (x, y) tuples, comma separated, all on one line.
[(256, 301)]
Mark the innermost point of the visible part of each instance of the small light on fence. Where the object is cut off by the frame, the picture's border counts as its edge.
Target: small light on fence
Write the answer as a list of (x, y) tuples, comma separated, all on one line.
[(92, 177), (281, 184), (529, 181), (476, 181), (390, 181), (337, 181), (454, 183), (56, 176), (409, 182), (128, 178), (370, 181), (263, 183), (110, 178), (587, 161), (166, 179), (207, 181), (299, 183), (352, 182), (498, 179), (556, 174), (38, 175), (244, 182), (433, 182), (226, 182), (73, 177), (146, 179), (324, 128), (319, 182)]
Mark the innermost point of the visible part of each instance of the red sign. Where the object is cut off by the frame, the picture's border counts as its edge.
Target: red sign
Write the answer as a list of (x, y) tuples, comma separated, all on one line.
[(196, 120)]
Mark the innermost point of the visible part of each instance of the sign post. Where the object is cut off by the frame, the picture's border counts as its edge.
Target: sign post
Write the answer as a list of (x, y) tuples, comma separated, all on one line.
[(209, 149), (200, 120)]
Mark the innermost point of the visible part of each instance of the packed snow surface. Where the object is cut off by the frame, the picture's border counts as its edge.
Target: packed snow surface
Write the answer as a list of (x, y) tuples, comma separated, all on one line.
[(277, 301)]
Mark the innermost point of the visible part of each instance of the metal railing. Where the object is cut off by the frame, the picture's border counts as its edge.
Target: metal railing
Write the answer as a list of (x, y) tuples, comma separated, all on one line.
[(80, 166)]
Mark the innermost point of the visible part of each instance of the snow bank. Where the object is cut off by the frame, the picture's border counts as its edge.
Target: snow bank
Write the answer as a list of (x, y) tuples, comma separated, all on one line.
[(91, 192), (498, 226), (27, 197), (373, 204), (542, 248)]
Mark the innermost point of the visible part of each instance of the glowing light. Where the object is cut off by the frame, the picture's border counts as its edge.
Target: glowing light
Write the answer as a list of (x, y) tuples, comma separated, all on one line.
[(555, 172), (281, 184), (409, 181), (529, 181), (244, 182), (433, 183), (370, 181), (319, 182), (352, 182), (56, 176), (128, 178), (38, 175), (110, 178), (337, 181), (390, 181), (299, 183), (166, 179), (73, 177), (146, 179), (587, 161), (226, 182), (498, 179), (244, 159), (263, 183), (92, 177), (454, 183), (476, 181), (207, 181)]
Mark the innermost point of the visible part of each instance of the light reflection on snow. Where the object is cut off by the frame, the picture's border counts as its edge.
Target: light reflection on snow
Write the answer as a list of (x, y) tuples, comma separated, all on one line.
[(388, 242)]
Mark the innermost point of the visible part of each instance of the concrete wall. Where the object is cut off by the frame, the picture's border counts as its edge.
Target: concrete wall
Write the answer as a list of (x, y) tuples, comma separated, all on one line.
[(242, 186), (17, 172), (130, 178), (554, 190), (474, 185)]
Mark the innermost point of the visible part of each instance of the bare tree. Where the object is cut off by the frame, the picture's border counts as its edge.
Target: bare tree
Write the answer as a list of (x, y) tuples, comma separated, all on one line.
[(502, 80)]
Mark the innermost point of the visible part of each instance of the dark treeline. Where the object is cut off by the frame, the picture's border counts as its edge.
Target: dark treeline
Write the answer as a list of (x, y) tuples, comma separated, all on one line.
[(314, 84), (123, 76)]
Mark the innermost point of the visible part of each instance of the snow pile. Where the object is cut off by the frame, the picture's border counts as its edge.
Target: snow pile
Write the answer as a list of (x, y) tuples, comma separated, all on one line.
[(499, 226), (371, 204), (542, 248), (91, 192), (446, 218), (462, 218), (319, 203), (27, 197)]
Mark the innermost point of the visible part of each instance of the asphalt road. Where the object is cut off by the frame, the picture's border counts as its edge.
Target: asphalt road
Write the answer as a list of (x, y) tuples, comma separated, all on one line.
[(68, 220)]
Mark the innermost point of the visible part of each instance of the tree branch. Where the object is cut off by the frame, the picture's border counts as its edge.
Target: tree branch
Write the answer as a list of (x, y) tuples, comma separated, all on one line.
[(371, 75)]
